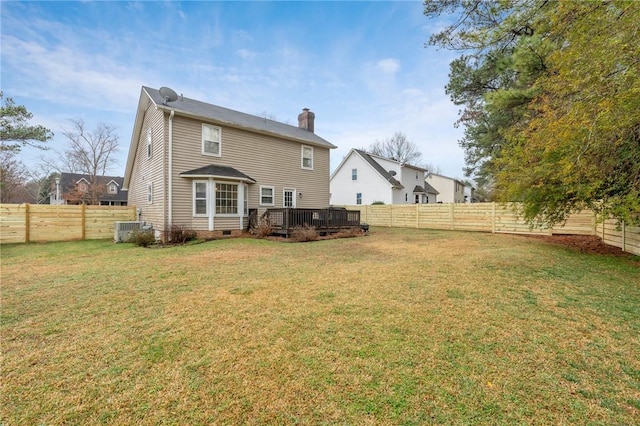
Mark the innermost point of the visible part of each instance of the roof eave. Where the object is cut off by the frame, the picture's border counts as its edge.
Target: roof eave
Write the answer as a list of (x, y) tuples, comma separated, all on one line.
[(207, 176), (135, 137)]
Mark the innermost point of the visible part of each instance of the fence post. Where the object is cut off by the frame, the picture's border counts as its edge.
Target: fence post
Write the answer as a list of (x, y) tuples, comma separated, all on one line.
[(417, 216), (83, 220), (493, 217), (624, 232), (27, 224), (453, 225)]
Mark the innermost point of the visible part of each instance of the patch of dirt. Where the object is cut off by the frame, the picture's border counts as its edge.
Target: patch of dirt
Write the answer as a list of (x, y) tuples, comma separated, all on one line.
[(582, 243)]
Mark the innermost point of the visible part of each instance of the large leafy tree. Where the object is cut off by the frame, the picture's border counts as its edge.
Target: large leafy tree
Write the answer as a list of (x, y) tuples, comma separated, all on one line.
[(581, 145), (15, 131), (549, 91)]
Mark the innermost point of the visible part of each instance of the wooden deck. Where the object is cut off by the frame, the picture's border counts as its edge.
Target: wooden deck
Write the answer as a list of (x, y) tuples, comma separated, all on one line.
[(325, 221)]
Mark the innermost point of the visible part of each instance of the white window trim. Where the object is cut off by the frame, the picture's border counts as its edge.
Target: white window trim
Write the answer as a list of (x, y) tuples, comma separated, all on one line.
[(219, 154), (149, 143), (354, 174), (206, 198), (302, 157), (114, 186), (273, 195), (150, 193), (358, 198)]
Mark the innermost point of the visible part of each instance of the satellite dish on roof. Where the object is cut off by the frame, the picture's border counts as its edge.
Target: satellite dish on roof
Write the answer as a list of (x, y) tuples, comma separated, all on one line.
[(392, 172), (168, 94)]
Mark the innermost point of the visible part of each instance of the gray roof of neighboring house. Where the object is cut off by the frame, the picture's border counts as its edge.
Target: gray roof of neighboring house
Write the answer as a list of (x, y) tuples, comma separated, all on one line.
[(235, 118), (214, 170), (393, 181), (68, 183), (428, 189)]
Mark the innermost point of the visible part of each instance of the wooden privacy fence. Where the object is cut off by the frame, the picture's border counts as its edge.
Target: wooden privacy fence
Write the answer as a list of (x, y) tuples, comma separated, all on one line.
[(620, 235), (493, 217), (20, 223)]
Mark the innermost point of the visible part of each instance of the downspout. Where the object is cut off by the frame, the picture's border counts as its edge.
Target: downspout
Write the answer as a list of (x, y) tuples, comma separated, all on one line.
[(170, 191)]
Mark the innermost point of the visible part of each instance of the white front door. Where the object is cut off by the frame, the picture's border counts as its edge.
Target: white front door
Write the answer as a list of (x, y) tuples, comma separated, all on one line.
[(289, 198)]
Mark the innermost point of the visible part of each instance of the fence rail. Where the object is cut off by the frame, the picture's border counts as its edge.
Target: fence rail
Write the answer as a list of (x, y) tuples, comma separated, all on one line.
[(20, 223), (494, 217)]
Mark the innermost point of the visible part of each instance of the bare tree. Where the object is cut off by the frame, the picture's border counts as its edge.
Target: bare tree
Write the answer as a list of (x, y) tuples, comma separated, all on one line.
[(12, 177), (40, 183), (432, 168), (397, 147), (91, 153)]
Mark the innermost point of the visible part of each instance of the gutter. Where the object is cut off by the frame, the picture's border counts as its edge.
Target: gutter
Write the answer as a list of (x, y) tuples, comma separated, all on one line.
[(170, 191)]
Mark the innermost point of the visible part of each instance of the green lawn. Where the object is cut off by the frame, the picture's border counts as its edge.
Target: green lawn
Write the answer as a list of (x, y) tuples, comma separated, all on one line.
[(399, 327)]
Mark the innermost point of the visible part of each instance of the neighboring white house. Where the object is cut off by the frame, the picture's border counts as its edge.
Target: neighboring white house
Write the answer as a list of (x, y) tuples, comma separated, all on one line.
[(449, 190), (470, 194), (363, 178)]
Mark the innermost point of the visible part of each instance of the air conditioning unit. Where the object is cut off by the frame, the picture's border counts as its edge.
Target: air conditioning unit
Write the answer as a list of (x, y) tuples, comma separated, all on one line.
[(123, 231)]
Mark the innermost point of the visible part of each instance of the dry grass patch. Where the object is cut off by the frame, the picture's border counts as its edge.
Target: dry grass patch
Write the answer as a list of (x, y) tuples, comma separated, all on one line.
[(400, 327)]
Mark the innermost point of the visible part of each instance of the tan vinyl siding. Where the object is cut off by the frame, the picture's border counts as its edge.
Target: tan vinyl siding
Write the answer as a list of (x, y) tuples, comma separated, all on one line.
[(227, 223), (147, 170), (269, 160)]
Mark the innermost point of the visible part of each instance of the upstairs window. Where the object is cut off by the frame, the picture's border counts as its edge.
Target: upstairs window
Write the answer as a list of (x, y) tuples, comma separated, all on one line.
[(112, 188), (83, 187), (149, 143), (359, 198), (307, 157), (211, 140), (354, 174)]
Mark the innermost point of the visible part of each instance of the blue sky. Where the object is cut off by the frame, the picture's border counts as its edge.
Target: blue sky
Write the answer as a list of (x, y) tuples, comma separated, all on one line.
[(361, 67)]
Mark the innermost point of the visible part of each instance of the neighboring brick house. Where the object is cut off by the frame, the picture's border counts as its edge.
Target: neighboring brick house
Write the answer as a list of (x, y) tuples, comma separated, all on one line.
[(75, 188), (363, 178), (204, 167)]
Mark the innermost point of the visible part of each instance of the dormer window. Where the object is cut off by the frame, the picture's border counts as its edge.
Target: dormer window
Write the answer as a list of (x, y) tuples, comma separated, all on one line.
[(112, 188), (83, 187)]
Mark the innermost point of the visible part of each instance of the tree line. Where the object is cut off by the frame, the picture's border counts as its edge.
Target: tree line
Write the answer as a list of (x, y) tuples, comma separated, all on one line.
[(89, 152), (550, 96)]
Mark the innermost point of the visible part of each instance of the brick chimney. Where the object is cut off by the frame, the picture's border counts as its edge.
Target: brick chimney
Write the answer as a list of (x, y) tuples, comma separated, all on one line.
[(306, 119)]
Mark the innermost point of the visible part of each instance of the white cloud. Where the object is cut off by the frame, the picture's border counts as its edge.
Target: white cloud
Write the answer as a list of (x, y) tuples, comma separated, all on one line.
[(388, 66), (246, 53)]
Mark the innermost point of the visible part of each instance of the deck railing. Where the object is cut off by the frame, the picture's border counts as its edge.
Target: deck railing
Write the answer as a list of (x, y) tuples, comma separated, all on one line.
[(324, 220)]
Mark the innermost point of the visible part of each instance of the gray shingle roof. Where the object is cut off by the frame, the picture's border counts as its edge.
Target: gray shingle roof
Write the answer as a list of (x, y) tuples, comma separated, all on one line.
[(235, 118), (214, 170), (428, 189), (393, 181), (68, 182)]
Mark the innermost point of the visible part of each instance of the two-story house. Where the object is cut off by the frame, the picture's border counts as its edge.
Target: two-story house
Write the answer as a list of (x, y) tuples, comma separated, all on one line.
[(76, 188), (449, 190), (363, 178), (204, 167)]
